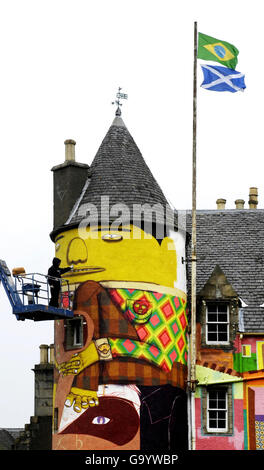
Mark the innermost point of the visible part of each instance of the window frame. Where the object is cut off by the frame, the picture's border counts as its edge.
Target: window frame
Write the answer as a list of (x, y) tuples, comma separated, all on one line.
[(217, 323), (250, 351), (77, 331), (229, 429), (70, 333), (217, 411)]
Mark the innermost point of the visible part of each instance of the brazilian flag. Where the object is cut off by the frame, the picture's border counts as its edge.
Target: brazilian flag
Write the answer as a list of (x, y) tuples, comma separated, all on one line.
[(220, 51)]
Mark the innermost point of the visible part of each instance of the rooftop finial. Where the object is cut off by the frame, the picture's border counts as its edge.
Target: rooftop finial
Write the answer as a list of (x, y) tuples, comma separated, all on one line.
[(119, 96)]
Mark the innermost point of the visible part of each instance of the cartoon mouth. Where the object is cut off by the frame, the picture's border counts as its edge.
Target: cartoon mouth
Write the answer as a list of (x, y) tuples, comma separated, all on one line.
[(86, 270), (104, 348)]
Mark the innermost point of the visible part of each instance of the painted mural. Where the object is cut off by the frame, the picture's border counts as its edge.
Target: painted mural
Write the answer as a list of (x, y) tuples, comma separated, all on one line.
[(240, 372), (254, 410), (249, 361), (120, 376), (249, 353)]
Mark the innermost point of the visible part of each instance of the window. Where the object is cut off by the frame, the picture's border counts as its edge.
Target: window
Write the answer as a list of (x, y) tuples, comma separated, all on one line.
[(217, 323), (77, 333), (217, 418), (74, 333), (217, 409), (260, 354), (246, 350)]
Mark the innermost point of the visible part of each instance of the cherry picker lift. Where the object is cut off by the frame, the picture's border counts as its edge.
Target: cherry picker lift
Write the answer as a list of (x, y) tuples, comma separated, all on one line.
[(29, 295)]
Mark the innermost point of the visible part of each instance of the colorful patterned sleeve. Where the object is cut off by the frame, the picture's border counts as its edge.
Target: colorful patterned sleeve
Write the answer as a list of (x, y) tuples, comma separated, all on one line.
[(139, 350)]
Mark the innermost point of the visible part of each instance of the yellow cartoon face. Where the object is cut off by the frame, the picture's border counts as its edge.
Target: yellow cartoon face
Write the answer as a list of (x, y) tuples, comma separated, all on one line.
[(107, 254)]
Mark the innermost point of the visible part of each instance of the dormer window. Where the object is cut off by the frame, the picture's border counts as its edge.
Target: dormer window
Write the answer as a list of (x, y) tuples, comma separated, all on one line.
[(217, 323), (218, 307), (219, 319)]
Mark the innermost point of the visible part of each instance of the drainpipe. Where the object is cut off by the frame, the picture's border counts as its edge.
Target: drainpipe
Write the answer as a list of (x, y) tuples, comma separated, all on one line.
[(191, 421), (191, 406), (189, 402)]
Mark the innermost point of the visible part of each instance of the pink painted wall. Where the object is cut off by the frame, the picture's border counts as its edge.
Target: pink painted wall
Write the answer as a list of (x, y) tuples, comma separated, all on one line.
[(218, 442), (259, 400), (247, 340)]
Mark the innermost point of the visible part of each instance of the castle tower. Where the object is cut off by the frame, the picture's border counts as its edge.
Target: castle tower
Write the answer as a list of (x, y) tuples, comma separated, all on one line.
[(121, 362)]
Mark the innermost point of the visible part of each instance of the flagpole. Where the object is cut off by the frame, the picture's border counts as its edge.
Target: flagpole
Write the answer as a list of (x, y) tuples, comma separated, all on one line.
[(193, 292), (192, 373)]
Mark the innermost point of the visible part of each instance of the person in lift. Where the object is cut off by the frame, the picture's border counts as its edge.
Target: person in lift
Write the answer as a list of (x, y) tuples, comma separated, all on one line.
[(55, 272)]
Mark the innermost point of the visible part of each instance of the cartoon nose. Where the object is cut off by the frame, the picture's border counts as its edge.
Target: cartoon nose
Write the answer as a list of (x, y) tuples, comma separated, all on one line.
[(77, 251)]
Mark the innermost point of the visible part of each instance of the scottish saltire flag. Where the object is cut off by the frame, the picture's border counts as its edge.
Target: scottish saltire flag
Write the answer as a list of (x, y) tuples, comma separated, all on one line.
[(214, 49), (217, 78)]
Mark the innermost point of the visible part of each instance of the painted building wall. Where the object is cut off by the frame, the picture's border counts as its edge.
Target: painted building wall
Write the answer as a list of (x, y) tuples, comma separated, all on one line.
[(123, 387), (229, 399), (249, 360), (233, 439), (221, 442), (249, 353), (247, 431), (254, 410)]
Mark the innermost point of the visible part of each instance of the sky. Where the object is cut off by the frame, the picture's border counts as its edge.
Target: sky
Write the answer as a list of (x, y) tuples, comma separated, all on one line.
[(62, 62)]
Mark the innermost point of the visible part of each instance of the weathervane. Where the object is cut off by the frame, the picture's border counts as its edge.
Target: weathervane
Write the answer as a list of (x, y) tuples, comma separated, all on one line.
[(119, 96)]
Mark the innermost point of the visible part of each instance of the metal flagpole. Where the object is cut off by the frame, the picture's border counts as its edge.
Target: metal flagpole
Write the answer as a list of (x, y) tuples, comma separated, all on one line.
[(193, 293), (192, 384)]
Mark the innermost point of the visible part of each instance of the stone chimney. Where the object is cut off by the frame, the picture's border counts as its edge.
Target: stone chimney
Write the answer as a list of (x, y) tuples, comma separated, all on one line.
[(68, 181), (221, 204), (253, 198), (239, 203), (44, 382)]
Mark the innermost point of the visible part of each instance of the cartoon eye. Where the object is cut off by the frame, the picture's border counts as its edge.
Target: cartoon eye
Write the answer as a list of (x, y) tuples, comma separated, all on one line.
[(57, 246), (100, 420), (77, 251), (112, 237)]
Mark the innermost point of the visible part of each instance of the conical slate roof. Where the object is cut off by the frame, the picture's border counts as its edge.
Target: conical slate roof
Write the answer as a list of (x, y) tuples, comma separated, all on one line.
[(119, 178)]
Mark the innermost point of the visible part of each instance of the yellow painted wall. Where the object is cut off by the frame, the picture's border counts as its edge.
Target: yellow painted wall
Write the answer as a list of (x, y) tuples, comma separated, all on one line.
[(117, 256)]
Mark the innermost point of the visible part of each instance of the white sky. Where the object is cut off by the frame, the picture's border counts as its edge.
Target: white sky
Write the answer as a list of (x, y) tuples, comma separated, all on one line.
[(62, 62)]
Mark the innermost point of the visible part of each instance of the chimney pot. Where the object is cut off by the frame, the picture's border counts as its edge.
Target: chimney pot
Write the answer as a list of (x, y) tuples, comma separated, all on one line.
[(253, 198), (70, 150), (221, 204), (51, 348), (43, 353), (239, 203)]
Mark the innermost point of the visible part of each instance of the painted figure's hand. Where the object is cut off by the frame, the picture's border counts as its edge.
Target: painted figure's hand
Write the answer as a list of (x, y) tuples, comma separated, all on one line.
[(81, 399), (72, 367), (79, 361)]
